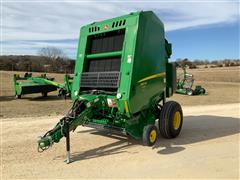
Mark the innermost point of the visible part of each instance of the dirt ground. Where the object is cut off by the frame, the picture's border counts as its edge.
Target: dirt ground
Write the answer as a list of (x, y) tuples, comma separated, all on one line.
[(222, 85), (208, 146)]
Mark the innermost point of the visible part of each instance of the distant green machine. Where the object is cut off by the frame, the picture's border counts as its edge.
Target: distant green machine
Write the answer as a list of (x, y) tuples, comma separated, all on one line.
[(185, 84), (121, 81), (40, 84)]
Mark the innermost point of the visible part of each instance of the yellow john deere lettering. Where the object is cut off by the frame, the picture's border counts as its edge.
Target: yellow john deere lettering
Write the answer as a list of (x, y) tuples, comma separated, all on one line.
[(153, 77), (126, 106)]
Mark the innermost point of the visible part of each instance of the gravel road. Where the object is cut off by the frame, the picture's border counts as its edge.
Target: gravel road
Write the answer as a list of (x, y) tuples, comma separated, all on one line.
[(208, 147)]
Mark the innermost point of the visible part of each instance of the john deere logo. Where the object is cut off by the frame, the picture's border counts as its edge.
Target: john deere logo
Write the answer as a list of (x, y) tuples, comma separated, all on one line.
[(105, 27)]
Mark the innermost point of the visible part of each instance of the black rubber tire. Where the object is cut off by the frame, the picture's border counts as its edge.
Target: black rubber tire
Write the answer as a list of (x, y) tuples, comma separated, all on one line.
[(203, 91), (166, 119), (44, 94), (146, 135)]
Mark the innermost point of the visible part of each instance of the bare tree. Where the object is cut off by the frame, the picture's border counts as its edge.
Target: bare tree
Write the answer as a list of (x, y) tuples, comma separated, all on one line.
[(52, 53)]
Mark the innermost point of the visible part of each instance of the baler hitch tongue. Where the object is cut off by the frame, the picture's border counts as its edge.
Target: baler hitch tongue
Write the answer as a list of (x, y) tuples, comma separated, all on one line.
[(44, 143), (75, 117)]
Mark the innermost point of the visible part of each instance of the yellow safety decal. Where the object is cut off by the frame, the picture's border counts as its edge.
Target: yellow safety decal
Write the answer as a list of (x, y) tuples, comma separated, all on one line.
[(152, 77), (126, 106)]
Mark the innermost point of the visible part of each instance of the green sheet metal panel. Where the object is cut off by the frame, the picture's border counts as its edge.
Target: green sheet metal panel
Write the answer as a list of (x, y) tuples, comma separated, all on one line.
[(149, 67)]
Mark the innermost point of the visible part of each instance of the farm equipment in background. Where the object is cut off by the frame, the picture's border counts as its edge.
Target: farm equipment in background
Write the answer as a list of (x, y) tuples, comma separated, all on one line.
[(40, 84), (185, 84), (121, 81), (66, 89)]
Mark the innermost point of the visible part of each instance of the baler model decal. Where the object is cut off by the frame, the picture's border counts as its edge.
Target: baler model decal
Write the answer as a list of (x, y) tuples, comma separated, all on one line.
[(153, 77)]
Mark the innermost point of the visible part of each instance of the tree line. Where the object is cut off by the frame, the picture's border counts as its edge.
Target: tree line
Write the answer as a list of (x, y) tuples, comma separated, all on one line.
[(52, 59), (49, 59), (36, 64), (193, 64)]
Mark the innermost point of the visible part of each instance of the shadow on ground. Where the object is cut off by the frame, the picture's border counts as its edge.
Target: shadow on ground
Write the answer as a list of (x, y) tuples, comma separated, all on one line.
[(120, 146), (195, 129), (32, 98), (48, 98), (7, 98)]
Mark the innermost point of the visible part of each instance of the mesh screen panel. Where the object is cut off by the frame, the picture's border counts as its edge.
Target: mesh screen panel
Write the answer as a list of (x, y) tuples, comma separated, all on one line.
[(100, 79)]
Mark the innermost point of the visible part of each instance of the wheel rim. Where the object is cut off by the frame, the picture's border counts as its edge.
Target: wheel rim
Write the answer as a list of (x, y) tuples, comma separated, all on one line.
[(176, 120), (153, 136)]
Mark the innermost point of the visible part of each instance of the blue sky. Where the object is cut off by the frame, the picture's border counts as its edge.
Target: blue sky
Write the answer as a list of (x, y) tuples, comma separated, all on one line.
[(197, 29), (210, 42)]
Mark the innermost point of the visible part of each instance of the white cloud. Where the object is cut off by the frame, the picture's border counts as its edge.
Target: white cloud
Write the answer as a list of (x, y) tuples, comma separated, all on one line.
[(62, 20)]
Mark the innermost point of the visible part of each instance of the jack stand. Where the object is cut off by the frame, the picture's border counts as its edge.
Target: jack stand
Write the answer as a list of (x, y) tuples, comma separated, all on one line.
[(68, 159)]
